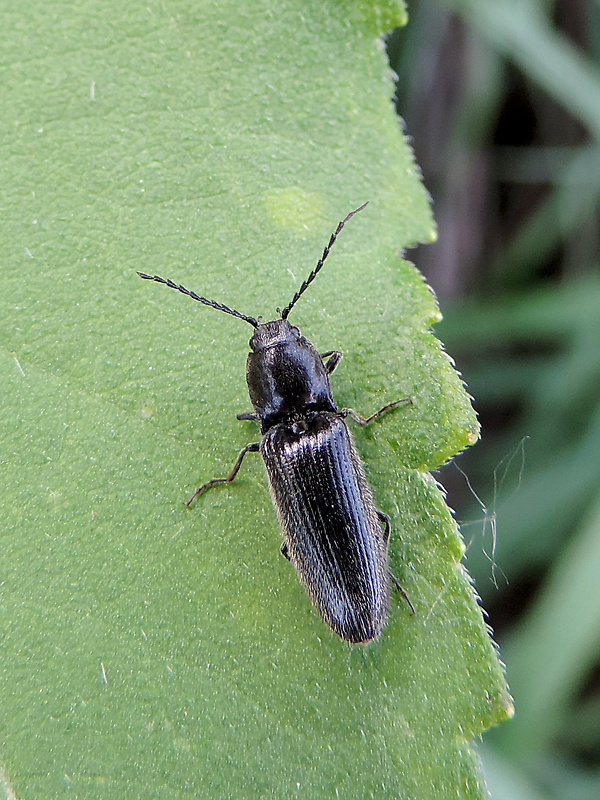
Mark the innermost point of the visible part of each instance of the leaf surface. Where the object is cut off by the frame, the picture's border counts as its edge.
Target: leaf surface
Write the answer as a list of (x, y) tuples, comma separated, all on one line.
[(149, 651)]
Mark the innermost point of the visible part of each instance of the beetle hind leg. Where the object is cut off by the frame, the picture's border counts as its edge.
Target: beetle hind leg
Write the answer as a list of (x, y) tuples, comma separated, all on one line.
[(401, 591), (387, 526), (285, 551), (386, 537)]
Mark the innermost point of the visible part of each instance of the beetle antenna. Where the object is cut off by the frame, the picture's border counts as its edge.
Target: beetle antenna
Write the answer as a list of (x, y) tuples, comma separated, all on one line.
[(320, 262), (194, 296)]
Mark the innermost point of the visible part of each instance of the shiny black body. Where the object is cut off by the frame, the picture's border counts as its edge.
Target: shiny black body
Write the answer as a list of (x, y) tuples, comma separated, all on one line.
[(332, 530)]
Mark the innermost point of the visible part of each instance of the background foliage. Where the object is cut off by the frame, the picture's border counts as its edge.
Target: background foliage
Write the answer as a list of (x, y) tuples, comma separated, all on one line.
[(502, 100)]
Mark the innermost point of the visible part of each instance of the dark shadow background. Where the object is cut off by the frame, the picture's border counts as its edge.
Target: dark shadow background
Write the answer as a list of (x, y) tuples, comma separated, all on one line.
[(502, 104)]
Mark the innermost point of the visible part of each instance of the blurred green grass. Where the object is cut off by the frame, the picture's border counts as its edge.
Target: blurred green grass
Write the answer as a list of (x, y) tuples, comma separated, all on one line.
[(502, 101)]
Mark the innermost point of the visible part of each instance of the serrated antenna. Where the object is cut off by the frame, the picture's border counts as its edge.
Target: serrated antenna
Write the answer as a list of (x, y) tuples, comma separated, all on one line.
[(320, 262), (194, 296)]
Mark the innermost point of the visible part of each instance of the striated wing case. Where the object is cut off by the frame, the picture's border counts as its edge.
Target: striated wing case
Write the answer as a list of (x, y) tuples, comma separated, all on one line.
[(332, 532)]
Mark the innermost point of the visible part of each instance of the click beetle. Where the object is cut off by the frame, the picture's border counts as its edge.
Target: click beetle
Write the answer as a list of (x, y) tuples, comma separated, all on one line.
[(332, 532)]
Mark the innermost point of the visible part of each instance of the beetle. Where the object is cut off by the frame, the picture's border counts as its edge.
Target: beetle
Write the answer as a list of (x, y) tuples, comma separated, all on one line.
[(333, 533)]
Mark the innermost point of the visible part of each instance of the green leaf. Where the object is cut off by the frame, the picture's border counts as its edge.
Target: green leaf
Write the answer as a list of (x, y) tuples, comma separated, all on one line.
[(153, 652)]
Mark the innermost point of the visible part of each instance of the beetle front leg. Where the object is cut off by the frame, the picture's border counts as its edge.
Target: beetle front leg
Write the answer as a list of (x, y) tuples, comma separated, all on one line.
[(333, 359), (251, 448)]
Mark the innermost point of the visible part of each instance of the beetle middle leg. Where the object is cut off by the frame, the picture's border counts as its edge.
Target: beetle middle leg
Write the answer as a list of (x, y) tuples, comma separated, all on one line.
[(250, 448), (386, 537), (349, 412)]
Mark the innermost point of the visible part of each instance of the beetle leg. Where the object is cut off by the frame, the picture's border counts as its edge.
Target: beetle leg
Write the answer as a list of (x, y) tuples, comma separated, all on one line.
[(388, 526), (251, 448), (394, 580), (349, 412), (386, 537), (333, 359), (285, 551), (248, 415)]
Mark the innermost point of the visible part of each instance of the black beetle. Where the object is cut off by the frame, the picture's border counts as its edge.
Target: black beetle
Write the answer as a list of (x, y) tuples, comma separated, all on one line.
[(332, 530)]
